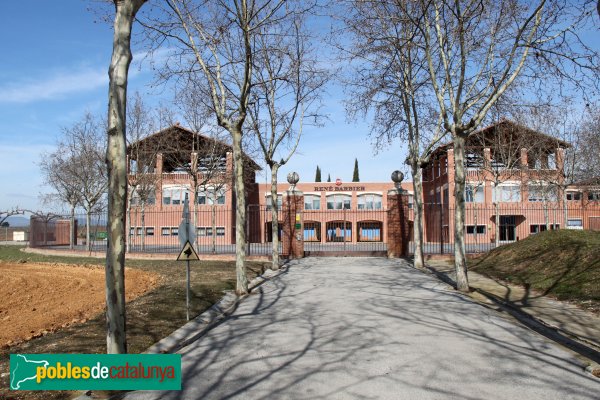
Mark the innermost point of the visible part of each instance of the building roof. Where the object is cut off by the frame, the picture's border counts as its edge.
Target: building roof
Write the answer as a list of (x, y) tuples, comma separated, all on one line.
[(179, 140), (484, 137)]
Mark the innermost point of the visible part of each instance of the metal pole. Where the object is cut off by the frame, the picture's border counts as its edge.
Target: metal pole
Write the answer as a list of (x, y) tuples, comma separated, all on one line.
[(344, 213), (187, 292)]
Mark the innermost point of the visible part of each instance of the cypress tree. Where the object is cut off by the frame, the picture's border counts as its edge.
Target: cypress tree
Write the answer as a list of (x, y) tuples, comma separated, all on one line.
[(318, 175), (328, 177), (355, 177)]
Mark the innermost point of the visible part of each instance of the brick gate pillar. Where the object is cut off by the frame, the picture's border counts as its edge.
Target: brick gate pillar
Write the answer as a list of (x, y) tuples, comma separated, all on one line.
[(292, 241), (398, 224)]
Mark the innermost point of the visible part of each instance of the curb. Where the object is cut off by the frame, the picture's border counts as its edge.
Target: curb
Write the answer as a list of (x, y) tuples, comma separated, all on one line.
[(203, 323), (199, 326)]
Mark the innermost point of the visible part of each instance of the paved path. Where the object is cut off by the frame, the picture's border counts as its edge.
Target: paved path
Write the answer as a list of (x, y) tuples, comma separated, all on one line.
[(562, 316), (365, 328)]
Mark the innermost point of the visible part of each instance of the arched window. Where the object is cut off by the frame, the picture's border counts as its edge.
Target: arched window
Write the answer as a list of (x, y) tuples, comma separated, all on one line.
[(339, 231), (175, 194), (211, 195), (369, 231), (312, 202), (338, 201), (312, 231), (369, 201)]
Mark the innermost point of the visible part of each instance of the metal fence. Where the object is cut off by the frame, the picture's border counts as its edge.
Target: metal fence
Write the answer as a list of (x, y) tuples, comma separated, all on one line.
[(488, 226), (324, 231), (344, 231)]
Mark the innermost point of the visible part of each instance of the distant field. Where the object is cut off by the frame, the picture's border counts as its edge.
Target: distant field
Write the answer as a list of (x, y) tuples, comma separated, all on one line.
[(563, 263)]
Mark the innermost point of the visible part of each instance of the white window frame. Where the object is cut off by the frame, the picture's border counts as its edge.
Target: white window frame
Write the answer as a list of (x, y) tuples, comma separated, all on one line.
[(314, 203), (503, 198), (477, 192), (374, 199), (345, 201)]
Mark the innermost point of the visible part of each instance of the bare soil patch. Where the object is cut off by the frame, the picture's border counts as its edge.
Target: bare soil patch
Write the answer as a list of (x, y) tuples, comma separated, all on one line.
[(40, 298)]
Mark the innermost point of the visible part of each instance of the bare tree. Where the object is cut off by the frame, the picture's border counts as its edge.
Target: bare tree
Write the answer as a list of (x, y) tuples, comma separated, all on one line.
[(5, 214), (142, 177), (215, 46), (390, 75), (287, 91), (586, 165), (76, 170), (61, 174), (475, 51), (116, 160), (85, 142)]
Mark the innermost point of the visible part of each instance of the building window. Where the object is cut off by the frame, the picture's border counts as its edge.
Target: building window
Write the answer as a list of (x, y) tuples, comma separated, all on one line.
[(474, 193), (369, 201), (211, 196), (339, 231), (574, 224), (594, 195), (573, 196), (165, 231), (220, 231), (506, 194), (475, 229), (312, 202), (139, 231), (535, 228), (269, 202), (150, 231), (174, 195), (312, 231), (338, 201), (411, 200), (201, 231), (370, 231), (539, 193), (175, 231)]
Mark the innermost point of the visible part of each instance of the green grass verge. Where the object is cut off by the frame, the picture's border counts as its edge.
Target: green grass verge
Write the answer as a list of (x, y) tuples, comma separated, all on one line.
[(563, 263)]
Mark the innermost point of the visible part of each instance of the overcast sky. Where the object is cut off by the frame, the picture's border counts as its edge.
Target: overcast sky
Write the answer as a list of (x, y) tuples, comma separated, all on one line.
[(54, 68)]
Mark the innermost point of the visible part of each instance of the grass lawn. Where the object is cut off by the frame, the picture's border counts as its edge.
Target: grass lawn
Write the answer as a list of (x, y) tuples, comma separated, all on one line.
[(563, 263), (150, 317)]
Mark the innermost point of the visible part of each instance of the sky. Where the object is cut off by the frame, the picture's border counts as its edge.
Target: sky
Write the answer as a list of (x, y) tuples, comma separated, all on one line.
[(55, 58)]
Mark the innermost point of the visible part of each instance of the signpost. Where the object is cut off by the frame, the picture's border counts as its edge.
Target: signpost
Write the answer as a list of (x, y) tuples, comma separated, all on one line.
[(187, 235)]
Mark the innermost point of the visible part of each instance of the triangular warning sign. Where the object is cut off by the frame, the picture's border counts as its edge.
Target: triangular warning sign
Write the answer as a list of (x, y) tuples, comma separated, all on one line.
[(187, 253)]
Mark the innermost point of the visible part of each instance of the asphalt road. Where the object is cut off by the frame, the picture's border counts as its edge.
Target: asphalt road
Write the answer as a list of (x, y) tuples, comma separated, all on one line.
[(369, 328)]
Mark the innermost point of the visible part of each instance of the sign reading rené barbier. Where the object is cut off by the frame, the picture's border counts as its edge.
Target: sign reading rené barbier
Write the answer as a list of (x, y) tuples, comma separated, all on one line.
[(339, 188)]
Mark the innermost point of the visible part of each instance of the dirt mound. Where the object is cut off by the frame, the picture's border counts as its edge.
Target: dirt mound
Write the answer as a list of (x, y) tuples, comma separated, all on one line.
[(40, 298)]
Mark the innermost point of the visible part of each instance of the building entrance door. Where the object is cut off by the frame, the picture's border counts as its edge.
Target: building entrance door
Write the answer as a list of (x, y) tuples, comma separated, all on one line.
[(508, 225)]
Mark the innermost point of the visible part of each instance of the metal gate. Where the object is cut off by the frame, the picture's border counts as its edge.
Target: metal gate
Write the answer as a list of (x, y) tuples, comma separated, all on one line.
[(345, 232)]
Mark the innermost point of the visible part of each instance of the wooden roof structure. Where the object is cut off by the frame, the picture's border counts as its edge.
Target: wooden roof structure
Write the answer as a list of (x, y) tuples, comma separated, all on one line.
[(176, 143)]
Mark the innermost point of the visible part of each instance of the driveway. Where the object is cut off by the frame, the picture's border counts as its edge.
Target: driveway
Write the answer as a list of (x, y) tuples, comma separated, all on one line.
[(372, 328)]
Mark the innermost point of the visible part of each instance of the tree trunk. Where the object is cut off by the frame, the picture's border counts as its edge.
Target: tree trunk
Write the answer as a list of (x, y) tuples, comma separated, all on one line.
[(565, 209), (240, 213), (418, 261), (72, 229), (125, 10), (88, 235), (213, 224), (128, 225), (143, 221), (460, 262), (497, 220), (274, 218)]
